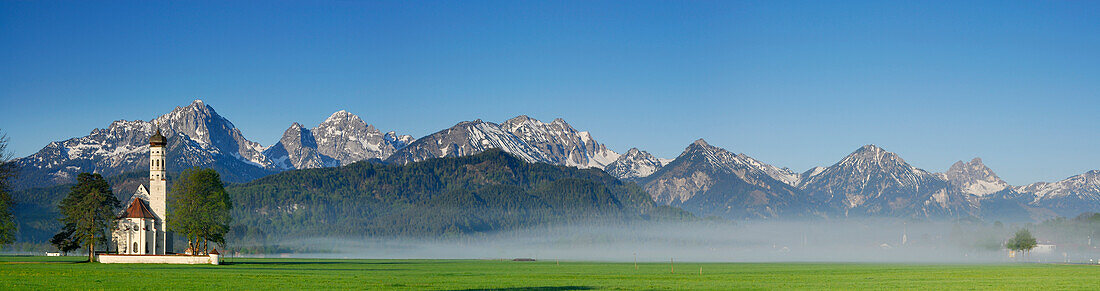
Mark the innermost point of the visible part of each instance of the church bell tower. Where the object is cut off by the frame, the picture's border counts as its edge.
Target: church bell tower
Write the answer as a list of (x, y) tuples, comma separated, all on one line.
[(158, 189)]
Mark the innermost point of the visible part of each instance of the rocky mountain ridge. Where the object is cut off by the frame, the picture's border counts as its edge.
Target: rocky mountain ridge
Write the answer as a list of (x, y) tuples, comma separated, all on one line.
[(1068, 197), (199, 137), (297, 149), (874, 182), (343, 138), (705, 179), (529, 139), (974, 178), (869, 182), (634, 164), (711, 181)]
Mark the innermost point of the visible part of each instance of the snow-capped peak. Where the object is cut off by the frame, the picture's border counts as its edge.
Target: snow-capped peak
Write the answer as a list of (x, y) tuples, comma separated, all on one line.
[(197, 136), (348, 139), (974, 178), (874, 157), (342, 115), (1086, 185), (201, 124), (525, 137), (739, 164), (874, 181), (560, 142), (634, 164)]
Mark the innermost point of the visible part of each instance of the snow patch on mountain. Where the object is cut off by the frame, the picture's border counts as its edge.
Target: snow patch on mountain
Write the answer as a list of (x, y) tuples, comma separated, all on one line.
[(527, 138), (709, 180), (634, 164), (197, 135), (560, 143), (1087, 185), (741, 164), (974, 178), (341, 139), (873, 181), (348, 139)]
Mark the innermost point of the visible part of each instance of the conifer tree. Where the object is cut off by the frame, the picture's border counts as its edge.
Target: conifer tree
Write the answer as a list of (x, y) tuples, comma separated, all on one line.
[(63, 240), (89, 210), (7, 171)]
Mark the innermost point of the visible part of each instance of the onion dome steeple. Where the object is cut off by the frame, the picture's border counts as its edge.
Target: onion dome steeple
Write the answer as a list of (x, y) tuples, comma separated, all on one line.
[(158, 139)]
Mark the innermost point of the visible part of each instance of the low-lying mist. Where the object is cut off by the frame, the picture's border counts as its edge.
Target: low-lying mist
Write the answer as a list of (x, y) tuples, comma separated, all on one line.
[(879, 240)]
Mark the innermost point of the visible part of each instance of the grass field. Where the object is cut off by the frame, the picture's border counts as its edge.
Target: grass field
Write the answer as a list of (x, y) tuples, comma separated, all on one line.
[(54, 272)]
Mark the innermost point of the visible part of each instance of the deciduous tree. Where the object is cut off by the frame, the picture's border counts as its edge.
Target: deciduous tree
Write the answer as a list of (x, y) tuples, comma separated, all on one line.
[(1023, 241), (199, 208)]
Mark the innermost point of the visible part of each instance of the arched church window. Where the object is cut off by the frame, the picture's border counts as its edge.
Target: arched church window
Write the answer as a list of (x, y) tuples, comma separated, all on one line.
[(135, 247)]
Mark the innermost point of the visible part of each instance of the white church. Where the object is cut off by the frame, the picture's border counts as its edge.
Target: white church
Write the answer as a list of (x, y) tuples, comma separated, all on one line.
[(142, 227), (141, 235)]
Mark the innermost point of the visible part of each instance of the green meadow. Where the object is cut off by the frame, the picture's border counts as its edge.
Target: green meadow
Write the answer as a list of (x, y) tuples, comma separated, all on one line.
[(18, 273)]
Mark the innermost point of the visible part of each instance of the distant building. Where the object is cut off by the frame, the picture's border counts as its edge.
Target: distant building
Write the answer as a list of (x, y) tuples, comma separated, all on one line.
[(1044, 248), (142, 226)]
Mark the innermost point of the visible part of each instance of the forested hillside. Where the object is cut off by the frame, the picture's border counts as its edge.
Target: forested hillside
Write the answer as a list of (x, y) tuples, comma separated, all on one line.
[(36, 209), (486, 192), (444, 197)]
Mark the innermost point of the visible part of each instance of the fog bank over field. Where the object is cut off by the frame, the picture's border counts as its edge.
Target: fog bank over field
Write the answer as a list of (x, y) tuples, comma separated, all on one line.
[(766, 241)]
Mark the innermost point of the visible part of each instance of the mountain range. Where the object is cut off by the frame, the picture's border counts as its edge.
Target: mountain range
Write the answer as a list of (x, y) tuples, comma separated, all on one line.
[(708, 180), (874, 182), (704, 179), (197, 137), (531, 140), (341, 139)]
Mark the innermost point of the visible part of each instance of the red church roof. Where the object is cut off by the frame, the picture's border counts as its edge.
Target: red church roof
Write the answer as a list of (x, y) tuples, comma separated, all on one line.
[(137, 209)]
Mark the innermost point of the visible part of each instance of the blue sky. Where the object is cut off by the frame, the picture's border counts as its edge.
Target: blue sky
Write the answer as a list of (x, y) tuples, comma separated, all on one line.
[(795, 84)]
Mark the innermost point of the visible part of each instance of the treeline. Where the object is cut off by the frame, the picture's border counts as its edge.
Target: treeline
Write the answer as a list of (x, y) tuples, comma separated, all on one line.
[(439, 198), (1071, 233), (36, 210), (444, 197)]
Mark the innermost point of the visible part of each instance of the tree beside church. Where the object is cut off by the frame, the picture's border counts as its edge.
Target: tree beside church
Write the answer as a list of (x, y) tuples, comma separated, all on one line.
[(200, 209), (89, 211)]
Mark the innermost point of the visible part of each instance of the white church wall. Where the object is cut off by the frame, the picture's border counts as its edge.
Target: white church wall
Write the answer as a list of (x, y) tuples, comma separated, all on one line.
[(155, 259)]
